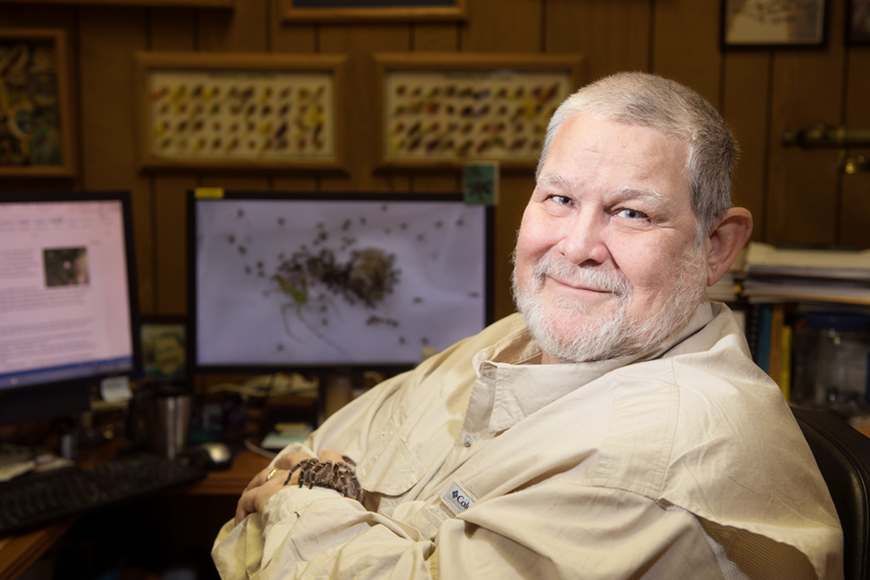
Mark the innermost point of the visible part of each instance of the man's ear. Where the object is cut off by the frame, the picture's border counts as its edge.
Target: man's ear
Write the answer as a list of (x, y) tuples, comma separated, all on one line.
[(725, 242)]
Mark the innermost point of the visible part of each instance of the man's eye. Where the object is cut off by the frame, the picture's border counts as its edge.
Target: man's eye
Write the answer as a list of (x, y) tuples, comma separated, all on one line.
[(632, 214), (562, 200)]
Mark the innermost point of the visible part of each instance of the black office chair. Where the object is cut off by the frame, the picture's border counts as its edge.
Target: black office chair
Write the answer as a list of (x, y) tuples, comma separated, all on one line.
[(843, 456)]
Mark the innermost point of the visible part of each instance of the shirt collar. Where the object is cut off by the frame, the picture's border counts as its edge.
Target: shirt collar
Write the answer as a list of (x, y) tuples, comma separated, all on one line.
[(523, 385)]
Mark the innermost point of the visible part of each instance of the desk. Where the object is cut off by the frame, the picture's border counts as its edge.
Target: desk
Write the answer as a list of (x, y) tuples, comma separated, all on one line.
[(17, 553)]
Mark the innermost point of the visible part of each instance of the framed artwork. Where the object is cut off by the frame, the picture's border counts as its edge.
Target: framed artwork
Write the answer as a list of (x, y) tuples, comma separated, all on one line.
[(240, 111), (449, 109), (858, 29), (164, 347), (36, 134), (773, 23), (380, 10)]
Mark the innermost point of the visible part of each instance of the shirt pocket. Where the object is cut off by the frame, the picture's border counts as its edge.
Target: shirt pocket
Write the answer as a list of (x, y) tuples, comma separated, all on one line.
[(390, 467)]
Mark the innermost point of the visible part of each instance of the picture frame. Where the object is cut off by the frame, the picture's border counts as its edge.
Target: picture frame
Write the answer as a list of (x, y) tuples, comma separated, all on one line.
[(36, 114), (772, 23), (240, 111), (164, 342), (372, 10), (447, 109), (858, 22)]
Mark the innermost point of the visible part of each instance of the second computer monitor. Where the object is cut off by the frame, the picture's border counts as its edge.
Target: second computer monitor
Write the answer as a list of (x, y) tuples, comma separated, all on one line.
[(360, 280)]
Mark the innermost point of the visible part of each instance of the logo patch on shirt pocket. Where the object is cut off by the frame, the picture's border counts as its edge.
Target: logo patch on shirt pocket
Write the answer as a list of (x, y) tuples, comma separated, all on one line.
[(457, 499)]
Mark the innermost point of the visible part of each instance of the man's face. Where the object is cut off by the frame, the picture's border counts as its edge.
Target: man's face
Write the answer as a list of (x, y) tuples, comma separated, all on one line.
[(606, 263)]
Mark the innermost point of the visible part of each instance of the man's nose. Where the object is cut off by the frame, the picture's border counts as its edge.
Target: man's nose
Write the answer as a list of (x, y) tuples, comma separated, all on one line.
[(584, 241)]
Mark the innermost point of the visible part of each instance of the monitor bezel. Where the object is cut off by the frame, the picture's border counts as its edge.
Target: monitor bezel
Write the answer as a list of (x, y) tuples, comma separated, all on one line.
[(389, 369), (42, 401)]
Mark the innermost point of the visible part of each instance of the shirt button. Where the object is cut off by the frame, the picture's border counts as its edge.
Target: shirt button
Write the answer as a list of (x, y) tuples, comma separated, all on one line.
[(469, 440)]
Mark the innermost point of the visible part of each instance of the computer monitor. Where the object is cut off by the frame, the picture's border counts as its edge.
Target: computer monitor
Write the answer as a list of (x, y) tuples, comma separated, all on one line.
[(68, 306), (325, 280)]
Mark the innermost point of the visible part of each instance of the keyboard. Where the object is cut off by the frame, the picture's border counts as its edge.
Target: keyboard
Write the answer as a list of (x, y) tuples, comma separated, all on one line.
[(38, 499)]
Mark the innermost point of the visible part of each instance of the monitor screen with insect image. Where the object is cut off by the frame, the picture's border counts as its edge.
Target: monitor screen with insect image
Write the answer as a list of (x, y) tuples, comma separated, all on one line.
[(282, 280)]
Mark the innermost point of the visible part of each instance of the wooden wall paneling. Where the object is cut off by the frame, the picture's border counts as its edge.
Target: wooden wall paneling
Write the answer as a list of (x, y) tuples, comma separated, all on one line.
[(108, 37), (443, 37), (514, 193), (803, 188), (856, 187), (686, 44), (505, 26), (359, 42), (245, 28), (170, 242), (296, 39), (745, 94), (614, 36), (39, 16), (171, 29)]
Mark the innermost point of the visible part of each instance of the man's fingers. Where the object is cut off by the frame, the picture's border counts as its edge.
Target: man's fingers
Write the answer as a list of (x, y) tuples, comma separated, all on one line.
[(289, 460), (327, 455), (245, 505), (259, 479)]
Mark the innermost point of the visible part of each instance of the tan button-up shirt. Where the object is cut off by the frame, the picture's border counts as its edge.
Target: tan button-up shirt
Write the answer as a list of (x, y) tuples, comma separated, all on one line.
[(681, 462)]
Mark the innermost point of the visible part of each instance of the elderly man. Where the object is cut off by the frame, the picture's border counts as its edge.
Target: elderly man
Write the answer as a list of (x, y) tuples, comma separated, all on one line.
[(615, 428)]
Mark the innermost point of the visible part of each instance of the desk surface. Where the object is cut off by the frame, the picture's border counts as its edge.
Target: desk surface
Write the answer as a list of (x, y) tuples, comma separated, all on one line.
[(17, 553)]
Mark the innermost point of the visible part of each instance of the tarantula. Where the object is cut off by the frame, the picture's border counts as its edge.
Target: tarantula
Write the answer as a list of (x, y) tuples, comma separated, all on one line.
[(337, 476)]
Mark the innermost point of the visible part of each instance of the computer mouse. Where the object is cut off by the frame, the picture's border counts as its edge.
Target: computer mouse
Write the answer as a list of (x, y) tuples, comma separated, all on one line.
[(211, 455)]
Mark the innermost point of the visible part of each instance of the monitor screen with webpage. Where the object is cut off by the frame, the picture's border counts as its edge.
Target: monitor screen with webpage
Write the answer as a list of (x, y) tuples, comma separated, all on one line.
[(284, 280), (68, 309)]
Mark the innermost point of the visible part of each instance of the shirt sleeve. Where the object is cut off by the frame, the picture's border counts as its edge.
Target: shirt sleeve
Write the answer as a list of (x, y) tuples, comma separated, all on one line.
[(553, 530)]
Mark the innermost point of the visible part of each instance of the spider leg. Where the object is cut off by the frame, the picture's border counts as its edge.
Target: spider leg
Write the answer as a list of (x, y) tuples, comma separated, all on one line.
[(316, 332), (289, 332)]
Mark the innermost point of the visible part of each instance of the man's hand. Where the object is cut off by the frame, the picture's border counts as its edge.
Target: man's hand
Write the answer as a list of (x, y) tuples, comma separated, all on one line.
[(272, 480)]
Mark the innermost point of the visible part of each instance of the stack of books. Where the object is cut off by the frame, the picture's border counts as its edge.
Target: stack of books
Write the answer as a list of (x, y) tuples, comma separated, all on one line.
[(816, 275)]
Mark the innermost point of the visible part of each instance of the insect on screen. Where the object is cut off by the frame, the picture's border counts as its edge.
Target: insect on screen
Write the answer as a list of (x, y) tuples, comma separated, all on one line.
[(359, 280)]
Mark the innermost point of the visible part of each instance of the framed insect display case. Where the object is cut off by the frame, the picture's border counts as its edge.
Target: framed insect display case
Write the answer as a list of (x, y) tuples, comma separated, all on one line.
[(240, 111), (447, 109), (369, 10), (36, 125)]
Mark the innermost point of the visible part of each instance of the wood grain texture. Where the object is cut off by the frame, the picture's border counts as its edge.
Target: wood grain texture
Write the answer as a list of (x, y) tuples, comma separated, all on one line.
[(803, 188), (359, 43), (686, 45), (503, 26), (171, 29), (615, 36), (745, 111), (854, 206), (107, 121)]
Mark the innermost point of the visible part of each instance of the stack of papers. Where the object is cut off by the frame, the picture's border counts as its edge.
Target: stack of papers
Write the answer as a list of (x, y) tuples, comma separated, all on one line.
[(285, 434), (826, 275)]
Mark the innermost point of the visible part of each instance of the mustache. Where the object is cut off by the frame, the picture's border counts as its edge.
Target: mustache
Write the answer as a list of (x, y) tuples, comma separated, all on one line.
[(579, 276)]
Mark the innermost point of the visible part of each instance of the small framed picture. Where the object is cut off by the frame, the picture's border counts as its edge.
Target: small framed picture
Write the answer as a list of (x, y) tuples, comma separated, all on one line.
[(164, 347), (36, 131), (773, 23), (858, 29)]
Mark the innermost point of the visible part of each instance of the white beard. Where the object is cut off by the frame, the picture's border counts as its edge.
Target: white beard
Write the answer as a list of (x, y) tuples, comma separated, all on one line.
[(613, 333)]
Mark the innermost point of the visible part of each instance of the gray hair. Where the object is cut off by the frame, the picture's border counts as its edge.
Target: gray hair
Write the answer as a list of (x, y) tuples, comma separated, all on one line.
[(647, 100)]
